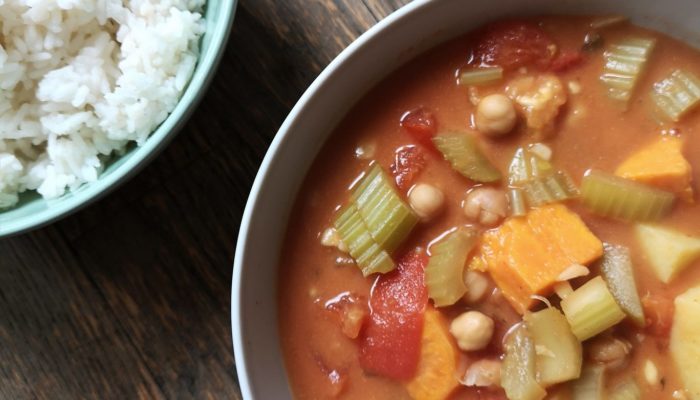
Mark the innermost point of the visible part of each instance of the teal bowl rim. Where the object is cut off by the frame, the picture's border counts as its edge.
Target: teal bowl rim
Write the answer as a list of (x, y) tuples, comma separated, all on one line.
[(90, 192)]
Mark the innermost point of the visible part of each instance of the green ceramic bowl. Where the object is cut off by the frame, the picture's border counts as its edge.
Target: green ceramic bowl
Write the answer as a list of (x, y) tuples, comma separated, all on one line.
[(33, 211)]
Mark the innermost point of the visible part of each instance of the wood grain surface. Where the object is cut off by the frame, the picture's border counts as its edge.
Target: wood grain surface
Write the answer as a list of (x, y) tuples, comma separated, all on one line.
[(130, 298)]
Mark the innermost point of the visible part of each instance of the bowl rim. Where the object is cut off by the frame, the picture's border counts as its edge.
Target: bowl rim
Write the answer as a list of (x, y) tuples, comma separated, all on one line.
[(156, 142), (262, 178)]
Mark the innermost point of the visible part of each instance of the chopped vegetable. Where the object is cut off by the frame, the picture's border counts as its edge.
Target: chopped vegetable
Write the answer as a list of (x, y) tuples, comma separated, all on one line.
[(566, 61), (518, 370), (591, 384), (552, 188), (624, 64), (514, 44), (526, 166), (409, 162), (462, 151), (436, 376), (685, 341), (677, 95), (387, 216), (559, 353), (445, 270), (616, 197), (616, 269), (390, 344), (525, 256), (368, 255), (480, 76), (539, 99), (662, 165), (516, 200), (420, 123), (668, 251), (591, 309)]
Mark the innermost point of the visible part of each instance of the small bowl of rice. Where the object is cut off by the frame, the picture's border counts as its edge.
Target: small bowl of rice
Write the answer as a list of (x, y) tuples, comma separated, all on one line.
[(91, 90)]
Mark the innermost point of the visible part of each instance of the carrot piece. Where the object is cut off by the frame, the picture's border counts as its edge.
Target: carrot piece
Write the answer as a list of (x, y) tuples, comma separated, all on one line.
[(525, 256), (437, 369), (661, 164)]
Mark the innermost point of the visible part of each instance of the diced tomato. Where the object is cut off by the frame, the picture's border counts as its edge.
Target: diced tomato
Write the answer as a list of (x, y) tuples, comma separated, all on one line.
[(408, 163), (514, 44), (352, 312), (659, 314), (567, 60), (421, 125), (390, 342)]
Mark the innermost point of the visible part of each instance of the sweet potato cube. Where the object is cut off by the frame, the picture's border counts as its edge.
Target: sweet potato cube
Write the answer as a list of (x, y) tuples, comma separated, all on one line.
[(661, 164), (526, 256), (437, 369)]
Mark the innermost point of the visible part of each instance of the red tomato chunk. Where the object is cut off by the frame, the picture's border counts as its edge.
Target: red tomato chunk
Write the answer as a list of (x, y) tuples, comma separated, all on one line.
[(408, 163), (390, 343), (514, 44), (420, 124)]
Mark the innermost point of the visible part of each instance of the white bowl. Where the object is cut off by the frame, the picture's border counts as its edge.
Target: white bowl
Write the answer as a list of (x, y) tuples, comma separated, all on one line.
[(403, 35)]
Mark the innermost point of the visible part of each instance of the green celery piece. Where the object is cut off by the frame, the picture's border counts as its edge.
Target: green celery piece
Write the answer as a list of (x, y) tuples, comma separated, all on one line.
[(480, 76), (518, 372), (677, 94), (462, 151), (520, 168), (617, 271), (616, 197), (551, 188), (627, 390), (591, 384), (561, 356), (368, 255), (624, 64), (591, 309), (388, 218), (445, 269), (516, 199)]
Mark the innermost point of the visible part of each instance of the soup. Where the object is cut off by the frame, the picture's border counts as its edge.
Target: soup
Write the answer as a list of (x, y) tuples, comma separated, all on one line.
[(509, 216)]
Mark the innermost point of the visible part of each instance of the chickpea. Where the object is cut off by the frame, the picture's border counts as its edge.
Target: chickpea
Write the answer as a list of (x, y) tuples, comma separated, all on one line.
[(426, 200), (477, 285), (495, 115), (486, 205), (483, 373), (472, 330)]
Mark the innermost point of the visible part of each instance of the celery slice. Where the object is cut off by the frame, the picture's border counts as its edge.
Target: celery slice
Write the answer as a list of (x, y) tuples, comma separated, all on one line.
[(616, 197), (480, 76), (591, 309), (519, 170), (559, 354), (677, 94), (549, 189), (627, 390), (353, 231), (462, 151), (445, 270), (624, 64), (616, 269), (518, 369), (516, 199), (388, 218), (591, 384)]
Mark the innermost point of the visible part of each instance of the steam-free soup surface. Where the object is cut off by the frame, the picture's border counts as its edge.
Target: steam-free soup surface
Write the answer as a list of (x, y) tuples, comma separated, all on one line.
[(392, 334)]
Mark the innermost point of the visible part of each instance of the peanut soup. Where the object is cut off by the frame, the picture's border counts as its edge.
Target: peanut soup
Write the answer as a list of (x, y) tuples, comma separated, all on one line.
[(511, 215)]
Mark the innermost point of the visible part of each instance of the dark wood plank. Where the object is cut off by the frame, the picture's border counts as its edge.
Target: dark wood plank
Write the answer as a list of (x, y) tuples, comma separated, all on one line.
[(129, 298)]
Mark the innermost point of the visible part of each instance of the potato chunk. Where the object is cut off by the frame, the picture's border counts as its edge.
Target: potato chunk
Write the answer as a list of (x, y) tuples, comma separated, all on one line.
[(668, 251), (685, 341)]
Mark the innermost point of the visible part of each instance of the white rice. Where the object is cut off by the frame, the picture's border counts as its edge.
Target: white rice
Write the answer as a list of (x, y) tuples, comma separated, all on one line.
[(80, 79)]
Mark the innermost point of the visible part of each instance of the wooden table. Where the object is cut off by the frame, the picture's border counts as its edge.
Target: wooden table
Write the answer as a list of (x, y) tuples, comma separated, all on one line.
[(130, 298)]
